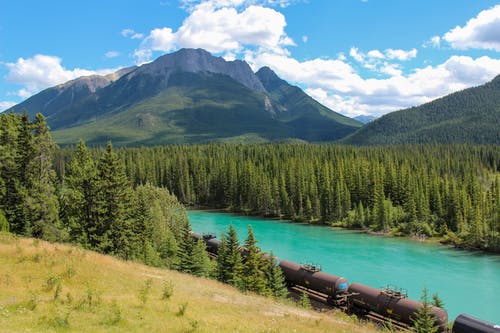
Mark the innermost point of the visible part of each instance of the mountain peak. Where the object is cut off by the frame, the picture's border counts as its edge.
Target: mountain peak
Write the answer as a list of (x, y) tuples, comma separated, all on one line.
[(269, 78), (201, 61)]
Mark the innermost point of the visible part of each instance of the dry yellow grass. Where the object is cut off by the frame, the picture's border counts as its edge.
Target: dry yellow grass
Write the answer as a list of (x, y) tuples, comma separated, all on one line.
[(55, 288)]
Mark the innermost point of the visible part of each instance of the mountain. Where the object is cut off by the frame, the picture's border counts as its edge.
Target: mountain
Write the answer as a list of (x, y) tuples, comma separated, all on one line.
[(468, 116), (188, 96), (365, 119)]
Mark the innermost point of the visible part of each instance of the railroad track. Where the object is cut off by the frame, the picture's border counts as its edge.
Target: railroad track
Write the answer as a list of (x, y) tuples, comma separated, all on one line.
[(386, 322)]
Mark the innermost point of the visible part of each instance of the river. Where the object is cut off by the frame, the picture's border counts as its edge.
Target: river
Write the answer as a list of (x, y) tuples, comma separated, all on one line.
[(467, 282)]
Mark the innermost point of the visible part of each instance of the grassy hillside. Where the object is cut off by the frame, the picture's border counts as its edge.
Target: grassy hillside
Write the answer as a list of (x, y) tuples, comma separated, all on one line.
[(468, 116), (55, 288)]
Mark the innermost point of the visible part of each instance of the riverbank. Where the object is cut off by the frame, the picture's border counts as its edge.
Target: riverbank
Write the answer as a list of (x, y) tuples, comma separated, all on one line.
[(416, 238)]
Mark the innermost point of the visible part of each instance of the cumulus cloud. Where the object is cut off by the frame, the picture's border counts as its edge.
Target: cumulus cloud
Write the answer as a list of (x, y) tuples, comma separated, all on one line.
[(337, 84), (481, 32), (219, 27), (376, 54), (434, 41), (401, 55), (356, 55), (43, 71), (4, 105), (130, 33)]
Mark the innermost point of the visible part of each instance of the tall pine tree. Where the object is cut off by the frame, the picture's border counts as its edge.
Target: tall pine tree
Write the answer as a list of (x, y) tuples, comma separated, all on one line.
[(42, 203), (79, 198), (253, 277), (113, 225)]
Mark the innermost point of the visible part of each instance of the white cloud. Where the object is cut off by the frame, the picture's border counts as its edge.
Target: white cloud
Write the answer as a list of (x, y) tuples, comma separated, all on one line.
[(129, 33), (220, 28), (391, 69), (401, 55), (481, 32), (4, 105), (191, 4), (43, 71), (305, 39), (433, 42), (376, 54), (356, 55), (337, 84), (111, 54)]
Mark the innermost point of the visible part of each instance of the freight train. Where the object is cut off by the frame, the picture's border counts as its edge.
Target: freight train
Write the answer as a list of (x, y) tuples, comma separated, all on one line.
[(379, 304)]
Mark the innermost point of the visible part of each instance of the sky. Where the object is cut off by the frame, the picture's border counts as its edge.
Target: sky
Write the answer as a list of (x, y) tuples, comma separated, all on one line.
[(358, 57)]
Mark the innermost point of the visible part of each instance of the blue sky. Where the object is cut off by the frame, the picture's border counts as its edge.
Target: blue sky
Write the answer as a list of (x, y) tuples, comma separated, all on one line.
[(355, 56)]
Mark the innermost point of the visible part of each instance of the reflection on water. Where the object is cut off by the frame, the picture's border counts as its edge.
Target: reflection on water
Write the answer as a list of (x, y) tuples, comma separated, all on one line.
[(468, 282)]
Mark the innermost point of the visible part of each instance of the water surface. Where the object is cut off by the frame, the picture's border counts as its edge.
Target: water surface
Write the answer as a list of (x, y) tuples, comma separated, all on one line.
[(467, 282)]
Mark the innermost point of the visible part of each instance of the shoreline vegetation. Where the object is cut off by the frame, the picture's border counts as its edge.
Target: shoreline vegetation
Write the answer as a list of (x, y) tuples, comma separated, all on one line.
[(416, 238)]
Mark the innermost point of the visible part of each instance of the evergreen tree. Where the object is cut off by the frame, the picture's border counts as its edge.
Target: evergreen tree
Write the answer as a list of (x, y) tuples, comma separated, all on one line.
[(114, 228), (186, 245), (79, 198), (423, 321), (253, 277), (200, 261), (229, 262), (437, 301), (234, 260), (41, 202), (275, 279), (18, 136), (222, 270), (304, 301), (4, 224)]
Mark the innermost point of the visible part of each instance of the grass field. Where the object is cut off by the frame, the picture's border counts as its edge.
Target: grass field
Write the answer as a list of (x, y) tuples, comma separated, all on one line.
[(59, 288)]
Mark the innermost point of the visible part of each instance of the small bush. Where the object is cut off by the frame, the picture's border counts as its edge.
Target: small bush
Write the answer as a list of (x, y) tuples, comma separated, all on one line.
[(168, 290), (194, 324), (57, 292), (59, 321), (182, 310), (145, 290), (32, 302), (90, 299), (52, 281), (304, 301), (114, 315), (68, 273)]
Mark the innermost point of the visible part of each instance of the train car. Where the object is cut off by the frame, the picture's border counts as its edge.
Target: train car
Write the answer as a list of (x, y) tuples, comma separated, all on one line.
[(391, 304), (331, 285), (196, 236), (468, 324), (213, 243)]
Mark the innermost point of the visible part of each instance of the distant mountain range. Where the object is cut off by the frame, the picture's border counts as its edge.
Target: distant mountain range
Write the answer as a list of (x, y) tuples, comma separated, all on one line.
[(365, 119), (188, 96), (468, 116)]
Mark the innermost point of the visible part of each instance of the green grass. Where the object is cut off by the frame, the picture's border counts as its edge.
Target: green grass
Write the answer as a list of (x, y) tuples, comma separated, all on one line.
[(59, 288)]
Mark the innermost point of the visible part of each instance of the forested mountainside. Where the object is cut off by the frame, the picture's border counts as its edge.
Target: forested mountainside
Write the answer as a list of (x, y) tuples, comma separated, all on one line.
[(470, 116)]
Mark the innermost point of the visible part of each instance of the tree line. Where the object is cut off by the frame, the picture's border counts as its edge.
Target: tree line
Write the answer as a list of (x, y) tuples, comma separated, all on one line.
[(432, 190)]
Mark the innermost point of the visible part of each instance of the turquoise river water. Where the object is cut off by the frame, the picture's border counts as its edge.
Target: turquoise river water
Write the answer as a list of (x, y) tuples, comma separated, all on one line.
[(468, 282)]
